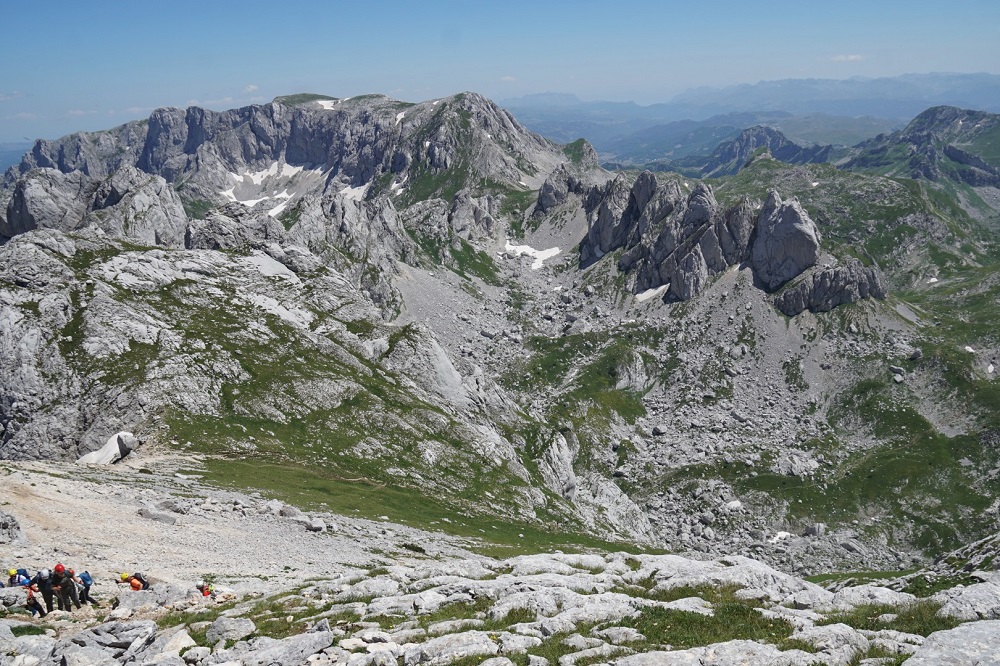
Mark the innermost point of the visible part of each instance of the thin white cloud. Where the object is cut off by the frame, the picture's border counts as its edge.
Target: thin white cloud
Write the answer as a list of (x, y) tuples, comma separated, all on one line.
[(21, 116), (508, 78), (76, 113), (252, 88), (847, 58)]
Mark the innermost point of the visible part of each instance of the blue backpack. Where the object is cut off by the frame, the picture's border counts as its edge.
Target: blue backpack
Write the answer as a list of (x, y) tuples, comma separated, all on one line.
[(85, 577)]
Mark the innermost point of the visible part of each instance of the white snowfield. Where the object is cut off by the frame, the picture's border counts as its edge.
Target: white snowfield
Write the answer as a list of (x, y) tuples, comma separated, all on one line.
[(297, 317), (327, 104), (355, 193), (269, 267), (539, 255), (651, 293), (253, 187)]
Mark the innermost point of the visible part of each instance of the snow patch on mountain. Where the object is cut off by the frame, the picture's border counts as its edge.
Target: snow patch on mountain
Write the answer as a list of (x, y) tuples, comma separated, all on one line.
[(268, 267), (651, 293), (295, 316), (539, 255), (355, 193)]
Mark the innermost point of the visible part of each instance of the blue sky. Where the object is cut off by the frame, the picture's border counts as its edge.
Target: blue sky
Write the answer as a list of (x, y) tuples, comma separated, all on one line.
[(77, 65)]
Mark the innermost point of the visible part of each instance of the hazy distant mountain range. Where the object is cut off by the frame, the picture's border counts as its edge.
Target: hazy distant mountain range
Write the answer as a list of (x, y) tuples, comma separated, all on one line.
[(820, 111)]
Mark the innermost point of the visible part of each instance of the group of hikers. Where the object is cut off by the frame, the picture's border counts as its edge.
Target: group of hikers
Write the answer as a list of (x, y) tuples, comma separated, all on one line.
[(64, 586)]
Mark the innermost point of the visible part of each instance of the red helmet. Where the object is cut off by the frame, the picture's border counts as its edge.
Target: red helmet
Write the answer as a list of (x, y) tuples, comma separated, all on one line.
[(59, 569)]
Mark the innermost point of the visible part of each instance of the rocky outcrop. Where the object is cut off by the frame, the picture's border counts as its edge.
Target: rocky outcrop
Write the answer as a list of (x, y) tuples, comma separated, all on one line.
[(128, 204), (447, 610), (973, 643), (117, 447), (570, 178), (823, 290), (608, 227), (681, 242), (731, 156), (48, 199), (10, 529), (787, 242)]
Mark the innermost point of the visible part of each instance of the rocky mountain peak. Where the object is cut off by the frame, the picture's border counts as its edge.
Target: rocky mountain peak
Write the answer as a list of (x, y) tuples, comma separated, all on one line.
[(678, 242), (944, 143), (731, 156), (787, 241)]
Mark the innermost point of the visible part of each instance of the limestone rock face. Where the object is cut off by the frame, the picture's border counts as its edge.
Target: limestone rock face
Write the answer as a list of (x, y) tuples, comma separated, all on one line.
[(680, 242), (787, 242), (823, 290), (608, 228), (140, 207), (556, 466), (129, 204), (669, 239), (48, 199), (972, 643)]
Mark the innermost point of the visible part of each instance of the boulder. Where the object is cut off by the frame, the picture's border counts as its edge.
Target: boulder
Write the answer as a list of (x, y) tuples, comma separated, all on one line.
[(230, 629), (445, 649), (158, 516), (745, 653), (862, 595), (839, 640), (291, 650), (117, 447), (975, 602), (118, 638), (10, 529), (972, 643)]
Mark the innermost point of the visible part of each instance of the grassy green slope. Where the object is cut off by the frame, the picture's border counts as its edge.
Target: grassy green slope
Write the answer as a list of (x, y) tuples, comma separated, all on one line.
[(313, 420)]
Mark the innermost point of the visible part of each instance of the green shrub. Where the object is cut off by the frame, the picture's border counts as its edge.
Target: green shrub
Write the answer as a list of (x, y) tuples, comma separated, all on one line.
[(27, 630)]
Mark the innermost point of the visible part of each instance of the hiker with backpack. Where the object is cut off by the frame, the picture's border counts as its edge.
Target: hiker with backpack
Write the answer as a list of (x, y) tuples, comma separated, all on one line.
[(43, 583), (63, 583), (206, 589), (85, 581), (136, 581), (18, 578), (32, 603)]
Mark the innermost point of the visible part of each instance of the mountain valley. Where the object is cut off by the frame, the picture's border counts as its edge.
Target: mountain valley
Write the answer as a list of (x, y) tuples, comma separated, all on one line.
[(428, 316)]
